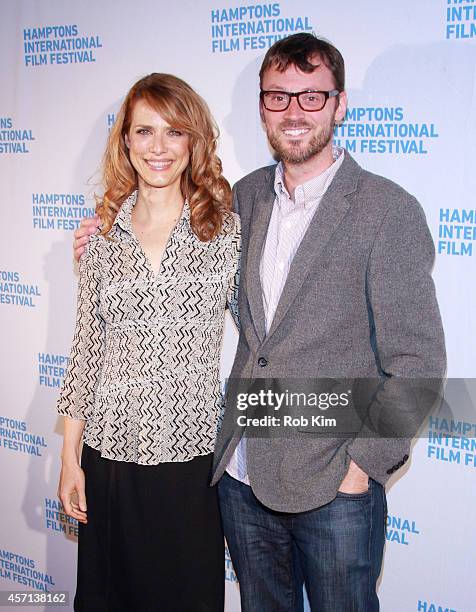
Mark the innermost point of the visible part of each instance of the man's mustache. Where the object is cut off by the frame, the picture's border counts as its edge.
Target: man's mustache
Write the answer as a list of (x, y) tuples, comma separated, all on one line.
[(287, 125)]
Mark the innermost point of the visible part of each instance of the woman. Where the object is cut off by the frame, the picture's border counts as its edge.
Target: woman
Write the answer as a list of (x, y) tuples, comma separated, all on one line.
[(142, 387)]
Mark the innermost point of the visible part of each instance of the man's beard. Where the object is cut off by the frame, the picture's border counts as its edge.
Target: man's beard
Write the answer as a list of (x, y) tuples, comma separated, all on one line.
[(294, 153)]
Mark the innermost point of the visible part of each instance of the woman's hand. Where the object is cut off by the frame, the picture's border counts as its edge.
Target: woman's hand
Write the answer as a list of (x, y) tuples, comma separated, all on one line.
[(71, 490)]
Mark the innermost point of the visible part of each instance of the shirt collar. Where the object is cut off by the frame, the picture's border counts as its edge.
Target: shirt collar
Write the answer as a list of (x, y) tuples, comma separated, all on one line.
[(311, 190), (123, 218)]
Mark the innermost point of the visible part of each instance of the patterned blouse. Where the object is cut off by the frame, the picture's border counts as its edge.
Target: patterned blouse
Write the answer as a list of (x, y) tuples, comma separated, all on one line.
[(144, 365)]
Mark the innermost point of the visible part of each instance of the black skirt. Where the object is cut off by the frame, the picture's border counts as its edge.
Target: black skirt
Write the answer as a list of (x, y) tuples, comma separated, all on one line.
[(153, 541)]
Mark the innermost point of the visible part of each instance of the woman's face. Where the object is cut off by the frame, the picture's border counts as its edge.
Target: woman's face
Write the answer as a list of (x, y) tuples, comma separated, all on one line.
[(158, 151)]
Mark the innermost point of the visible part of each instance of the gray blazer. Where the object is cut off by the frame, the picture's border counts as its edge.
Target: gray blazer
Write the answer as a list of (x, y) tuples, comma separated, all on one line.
[(359, 301)]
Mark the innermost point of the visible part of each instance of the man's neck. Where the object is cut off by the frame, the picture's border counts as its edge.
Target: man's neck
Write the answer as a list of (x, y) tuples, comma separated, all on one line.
[(297, 174)]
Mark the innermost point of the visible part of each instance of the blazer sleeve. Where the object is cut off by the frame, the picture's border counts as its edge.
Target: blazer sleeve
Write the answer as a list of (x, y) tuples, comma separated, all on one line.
[(76, 399), (407, 337)]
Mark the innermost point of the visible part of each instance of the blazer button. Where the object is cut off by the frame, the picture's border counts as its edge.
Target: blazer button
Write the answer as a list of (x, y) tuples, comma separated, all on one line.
[(262, 362)]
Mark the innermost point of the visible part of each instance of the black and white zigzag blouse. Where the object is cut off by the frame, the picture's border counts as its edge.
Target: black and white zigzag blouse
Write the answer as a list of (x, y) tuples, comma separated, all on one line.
[(144, 365)]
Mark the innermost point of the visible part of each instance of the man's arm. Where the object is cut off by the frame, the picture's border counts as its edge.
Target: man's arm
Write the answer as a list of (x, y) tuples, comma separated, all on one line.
[(407, 337), (88, 226)]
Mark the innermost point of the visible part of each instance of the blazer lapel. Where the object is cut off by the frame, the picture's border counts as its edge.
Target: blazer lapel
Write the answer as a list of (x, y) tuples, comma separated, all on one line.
[(262, 209), (330, 212)]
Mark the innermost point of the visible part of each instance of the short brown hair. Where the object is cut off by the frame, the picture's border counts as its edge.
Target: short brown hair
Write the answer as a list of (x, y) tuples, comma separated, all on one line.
[(297, 50)]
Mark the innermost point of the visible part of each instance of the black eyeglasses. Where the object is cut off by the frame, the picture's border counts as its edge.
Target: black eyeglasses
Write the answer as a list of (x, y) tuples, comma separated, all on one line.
[(310, 100)]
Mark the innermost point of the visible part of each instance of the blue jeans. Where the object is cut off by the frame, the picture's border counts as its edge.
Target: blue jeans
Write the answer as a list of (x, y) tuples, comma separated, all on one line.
[(336, 550)]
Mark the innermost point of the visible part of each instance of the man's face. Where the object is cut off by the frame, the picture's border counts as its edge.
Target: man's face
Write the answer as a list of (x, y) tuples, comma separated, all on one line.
[(297, 135)]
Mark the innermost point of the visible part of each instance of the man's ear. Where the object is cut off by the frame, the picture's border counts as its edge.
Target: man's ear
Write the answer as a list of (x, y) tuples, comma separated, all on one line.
[(261, 112), (341, 107)]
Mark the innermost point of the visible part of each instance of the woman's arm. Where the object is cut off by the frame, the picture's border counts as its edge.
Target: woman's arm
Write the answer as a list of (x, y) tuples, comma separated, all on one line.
[(232, 294), (77, 397), (71, 489)]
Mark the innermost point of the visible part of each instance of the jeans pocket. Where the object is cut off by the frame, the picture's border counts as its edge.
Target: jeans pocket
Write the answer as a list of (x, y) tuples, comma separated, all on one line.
[(353, 495)]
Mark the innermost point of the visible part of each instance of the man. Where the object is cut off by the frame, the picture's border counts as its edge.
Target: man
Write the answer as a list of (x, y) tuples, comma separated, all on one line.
[(335, 282)]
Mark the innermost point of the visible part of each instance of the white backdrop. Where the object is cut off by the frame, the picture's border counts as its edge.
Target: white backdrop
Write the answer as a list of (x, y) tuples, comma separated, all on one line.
[(65, 67)]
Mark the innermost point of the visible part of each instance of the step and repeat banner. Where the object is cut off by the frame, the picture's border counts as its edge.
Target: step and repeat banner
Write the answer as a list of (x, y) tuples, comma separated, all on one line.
[(65, 67)]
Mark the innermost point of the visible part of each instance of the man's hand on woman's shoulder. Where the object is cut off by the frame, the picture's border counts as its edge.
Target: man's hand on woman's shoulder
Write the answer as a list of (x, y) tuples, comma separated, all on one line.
[(88, 226)]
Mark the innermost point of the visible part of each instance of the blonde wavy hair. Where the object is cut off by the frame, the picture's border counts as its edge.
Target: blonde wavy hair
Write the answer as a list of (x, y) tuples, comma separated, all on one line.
[(202, 182)]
